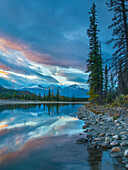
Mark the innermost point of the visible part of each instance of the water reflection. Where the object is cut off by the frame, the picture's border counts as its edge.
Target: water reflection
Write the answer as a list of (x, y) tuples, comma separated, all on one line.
[(37, 137), (49, 108), (20, 124), (94, 159)]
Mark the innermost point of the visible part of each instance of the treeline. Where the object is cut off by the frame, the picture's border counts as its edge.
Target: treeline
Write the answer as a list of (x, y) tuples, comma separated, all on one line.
[(14, 94), (57, 97), (108, 82), (25, 95)]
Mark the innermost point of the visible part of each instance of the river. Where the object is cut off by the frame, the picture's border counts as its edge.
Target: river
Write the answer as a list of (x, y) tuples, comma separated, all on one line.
[(43, 137)]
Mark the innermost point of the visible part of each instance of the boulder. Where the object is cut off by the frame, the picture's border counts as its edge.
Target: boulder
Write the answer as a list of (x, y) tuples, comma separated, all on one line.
[(126, 153), (124, 144), (105, 145), (114, 143), (116, 149)]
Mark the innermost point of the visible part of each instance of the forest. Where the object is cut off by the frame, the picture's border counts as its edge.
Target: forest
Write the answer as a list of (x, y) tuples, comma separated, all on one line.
[(25, 95), (108, 80)]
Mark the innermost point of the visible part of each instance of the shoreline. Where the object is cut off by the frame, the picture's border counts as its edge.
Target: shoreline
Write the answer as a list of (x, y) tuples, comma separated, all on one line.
[(103, 132), (15, 102)]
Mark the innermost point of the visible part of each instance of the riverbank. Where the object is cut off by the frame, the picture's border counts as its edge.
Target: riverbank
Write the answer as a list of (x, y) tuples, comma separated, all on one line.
[(33, 137), (106, 129), (14, 102)]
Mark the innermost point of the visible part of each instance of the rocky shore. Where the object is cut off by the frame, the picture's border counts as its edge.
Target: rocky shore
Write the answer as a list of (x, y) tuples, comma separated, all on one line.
[(106, 132)]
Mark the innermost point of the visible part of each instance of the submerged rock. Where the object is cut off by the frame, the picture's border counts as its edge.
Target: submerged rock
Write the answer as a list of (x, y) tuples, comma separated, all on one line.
[(82, 141)]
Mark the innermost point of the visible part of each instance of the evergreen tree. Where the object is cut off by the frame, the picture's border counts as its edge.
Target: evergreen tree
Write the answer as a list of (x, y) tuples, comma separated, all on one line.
[(101, 73), (106, 81), (44, 97), (94, 66), (40, 97), (14, 95), (57, 95), (49, 94), (111, 83), (120, 40)]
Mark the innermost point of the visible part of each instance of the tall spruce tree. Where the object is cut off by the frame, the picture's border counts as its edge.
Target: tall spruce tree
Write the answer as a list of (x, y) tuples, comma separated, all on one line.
[(106, 82), (111, 83), (57, 95), (94, 66), (101, 71), (49, 94), (120, 40)]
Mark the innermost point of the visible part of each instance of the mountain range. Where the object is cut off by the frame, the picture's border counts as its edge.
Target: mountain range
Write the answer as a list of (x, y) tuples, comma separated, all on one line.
[(70, 91)]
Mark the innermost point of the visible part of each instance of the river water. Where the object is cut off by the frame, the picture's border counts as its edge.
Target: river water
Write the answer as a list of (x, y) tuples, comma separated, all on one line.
[(43, 137)]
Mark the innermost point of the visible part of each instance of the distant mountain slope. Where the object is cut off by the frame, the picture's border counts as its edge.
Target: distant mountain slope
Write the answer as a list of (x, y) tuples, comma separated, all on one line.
[(16, 94), (70, 91)]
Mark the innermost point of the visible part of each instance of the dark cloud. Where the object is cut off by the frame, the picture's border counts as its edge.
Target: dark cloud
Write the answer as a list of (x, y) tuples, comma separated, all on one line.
[(54, 27)]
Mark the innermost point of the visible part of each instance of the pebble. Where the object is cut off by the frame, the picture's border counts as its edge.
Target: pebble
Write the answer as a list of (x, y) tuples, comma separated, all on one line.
[(116, 121), (97, 139), (124, 137), (126, 153), (126, 166), (114, 143), (84, 127), (107, 139), (106, 134), (86, 130), (124, 144), (122, 133), (105, 145), (102, 135), (89, 135), (117, 137)]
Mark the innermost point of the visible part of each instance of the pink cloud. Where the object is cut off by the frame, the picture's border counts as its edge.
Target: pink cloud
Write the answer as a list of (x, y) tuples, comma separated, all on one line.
[(6, 44)]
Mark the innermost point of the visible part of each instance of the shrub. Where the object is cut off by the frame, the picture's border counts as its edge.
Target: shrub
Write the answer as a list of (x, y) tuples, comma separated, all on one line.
[(92, 95)]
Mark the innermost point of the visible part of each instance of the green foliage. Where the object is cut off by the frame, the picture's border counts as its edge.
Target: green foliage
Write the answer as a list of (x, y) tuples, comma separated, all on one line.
[(14, 94), (109, 98), (106, 81), (115, 117), (94, 66), (120, 101), (57, 95), (119, 41), (25, 95), (105, 105), (92, 95)]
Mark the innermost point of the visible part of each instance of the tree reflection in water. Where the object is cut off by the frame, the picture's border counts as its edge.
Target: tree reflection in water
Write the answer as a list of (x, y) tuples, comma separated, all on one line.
[(94, 158)]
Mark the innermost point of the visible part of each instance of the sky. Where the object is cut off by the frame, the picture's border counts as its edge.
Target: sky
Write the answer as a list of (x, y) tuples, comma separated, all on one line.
[(45, 41)]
